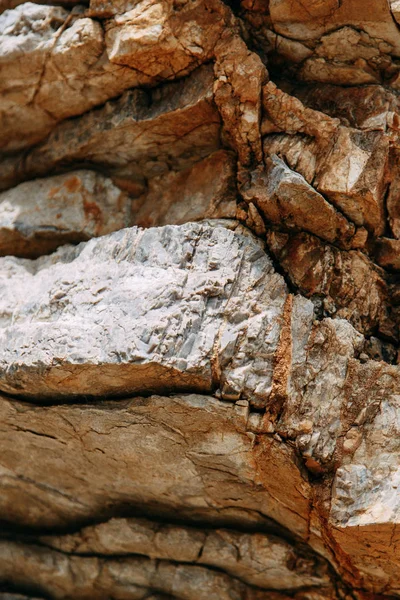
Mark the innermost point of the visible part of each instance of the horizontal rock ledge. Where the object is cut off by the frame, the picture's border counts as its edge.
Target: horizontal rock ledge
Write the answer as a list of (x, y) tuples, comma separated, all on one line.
[(184, 456), (194, 307), (256, 558), (139, 135), (90, 577)]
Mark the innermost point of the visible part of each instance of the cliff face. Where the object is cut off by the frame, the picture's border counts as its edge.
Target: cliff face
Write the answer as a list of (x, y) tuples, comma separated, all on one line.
[(199, 300)]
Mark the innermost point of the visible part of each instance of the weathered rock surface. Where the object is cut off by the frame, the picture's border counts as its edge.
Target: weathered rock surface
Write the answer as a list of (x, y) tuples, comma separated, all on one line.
[(173, 128), (283, 196), (193, 457), (177, 308), (53, 65), (262, 140), (345, 284), (205, 191), (260, 559), (56, 64), (38, 216)]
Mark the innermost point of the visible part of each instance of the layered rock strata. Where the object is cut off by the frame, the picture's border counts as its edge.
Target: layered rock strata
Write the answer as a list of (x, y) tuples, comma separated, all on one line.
[(199, 300)]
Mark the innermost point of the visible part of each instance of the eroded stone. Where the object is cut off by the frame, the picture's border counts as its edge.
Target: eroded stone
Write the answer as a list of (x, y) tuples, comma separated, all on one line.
[(38, 216)]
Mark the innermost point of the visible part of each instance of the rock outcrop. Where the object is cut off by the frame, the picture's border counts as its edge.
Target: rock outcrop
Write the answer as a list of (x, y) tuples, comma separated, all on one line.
[(199, 300)]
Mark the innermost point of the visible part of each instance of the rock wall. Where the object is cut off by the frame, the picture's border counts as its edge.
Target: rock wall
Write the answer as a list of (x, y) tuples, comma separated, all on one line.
[(199, 300)]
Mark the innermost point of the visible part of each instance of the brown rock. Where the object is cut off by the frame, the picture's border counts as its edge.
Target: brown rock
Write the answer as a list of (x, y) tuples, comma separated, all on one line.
[(293, 21), (240, 75), (77, 63), (205, 191), (393, 196), (387, 253), (60, 58), (285, 113), (193, 457), (268, 466), (348, 284), (160, 40), (371, 107), (354, 177), (131, 577), (174, 128), (285, 197), (256, 559)]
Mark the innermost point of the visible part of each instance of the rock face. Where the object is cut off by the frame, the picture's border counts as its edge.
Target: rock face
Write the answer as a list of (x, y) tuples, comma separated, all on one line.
[(199, 300), (37, 217)]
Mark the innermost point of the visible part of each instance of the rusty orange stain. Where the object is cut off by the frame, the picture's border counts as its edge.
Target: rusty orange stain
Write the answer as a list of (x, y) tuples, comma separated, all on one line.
[(72, 184), (92, 211)]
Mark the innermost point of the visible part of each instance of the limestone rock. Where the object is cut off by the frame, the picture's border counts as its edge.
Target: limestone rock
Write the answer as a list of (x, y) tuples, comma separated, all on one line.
[(161, 40), (77, 63), (354, 177), (174, 127), (38, 216), (364, 500), (351, 44), (283, 196), (187, 457), (286, 113), (370, 107), (261, 559), (134, 577), (202, 304), (348, 166), (240, 75)]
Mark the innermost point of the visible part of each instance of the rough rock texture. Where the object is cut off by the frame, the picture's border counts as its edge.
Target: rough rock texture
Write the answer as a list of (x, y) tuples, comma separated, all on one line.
[(206, 190), (199, 304), (199, 300), (38, 216)]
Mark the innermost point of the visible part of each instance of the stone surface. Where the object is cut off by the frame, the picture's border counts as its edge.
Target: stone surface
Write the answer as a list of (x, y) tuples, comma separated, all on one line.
[(180, 456), (365, 500), (347, 284), (262, 139), (205, 191), (177, 308), (283, 196), (387, 253), (132, 577), (70, 63), (262, 559), (53, 65), (343, 43), (38, 216), (240, 75), (165, 41), (349, 167), (173, 128)]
